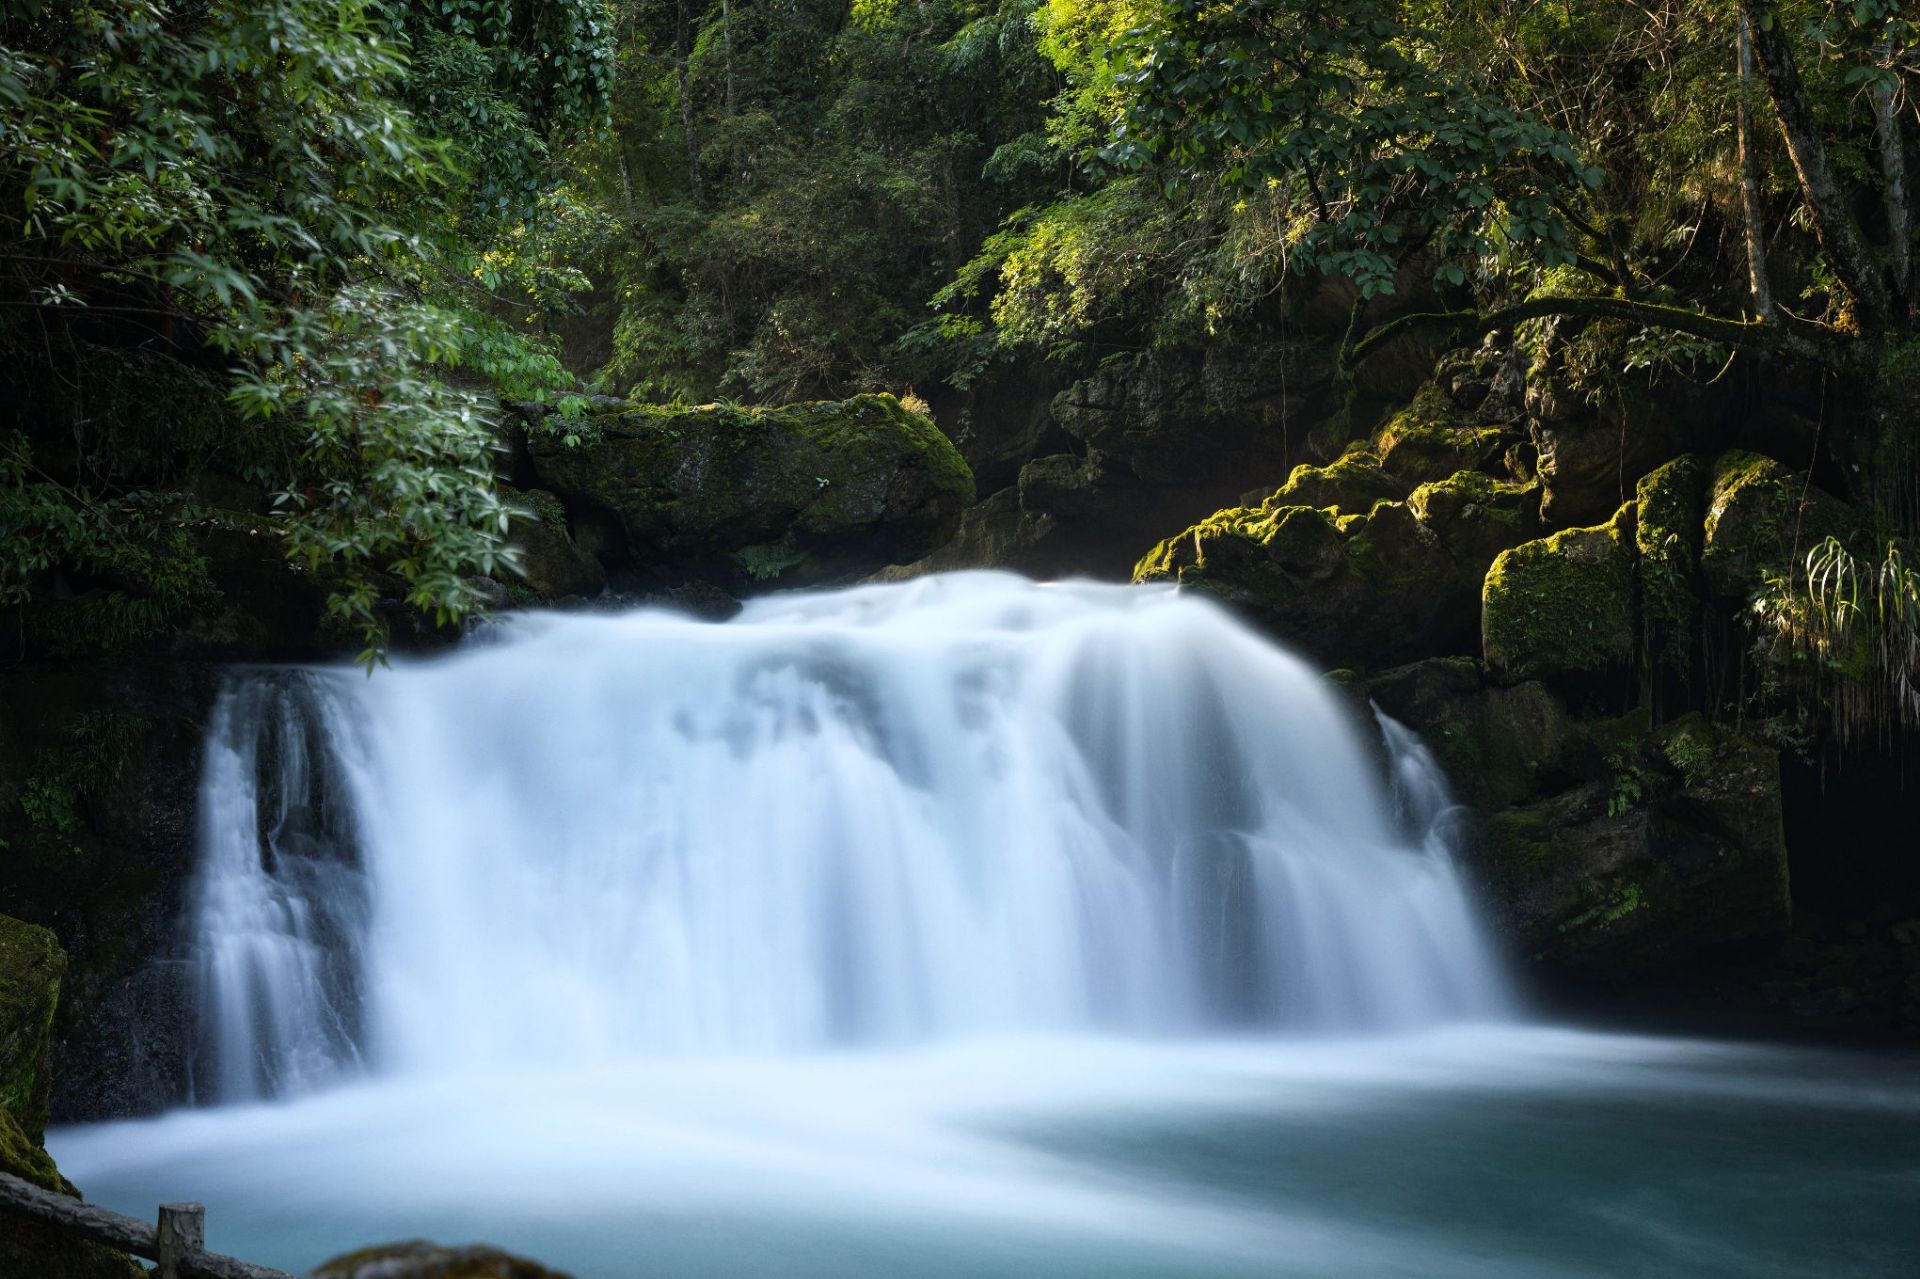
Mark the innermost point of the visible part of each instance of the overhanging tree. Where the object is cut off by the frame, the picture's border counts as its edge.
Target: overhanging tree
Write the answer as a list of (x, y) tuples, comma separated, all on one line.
[(1393, 153)]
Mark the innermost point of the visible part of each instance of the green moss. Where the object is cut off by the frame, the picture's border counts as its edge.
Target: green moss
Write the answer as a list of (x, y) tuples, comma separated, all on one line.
[(1760, 516), (31, 963), (765, 563), (32, 1251), (1475, 492), (1562, 604), (1426, 441), (1352, 482), (1668, 533), (1520, 841), (830, 481)]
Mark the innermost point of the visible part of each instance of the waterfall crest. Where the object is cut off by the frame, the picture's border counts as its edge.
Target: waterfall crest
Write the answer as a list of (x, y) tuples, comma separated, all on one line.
[(963, 804)]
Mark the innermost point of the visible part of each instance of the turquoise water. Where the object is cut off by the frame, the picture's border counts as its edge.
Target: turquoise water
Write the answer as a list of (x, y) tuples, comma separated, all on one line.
[(1480, 1151)]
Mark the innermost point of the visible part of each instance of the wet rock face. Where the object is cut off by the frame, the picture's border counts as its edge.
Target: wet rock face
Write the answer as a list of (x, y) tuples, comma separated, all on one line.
[(418, 1259), (31, 963), (99, 769), (1678, 852), (1177, 419), (1608, 851), (798, 495), (1162, 441)]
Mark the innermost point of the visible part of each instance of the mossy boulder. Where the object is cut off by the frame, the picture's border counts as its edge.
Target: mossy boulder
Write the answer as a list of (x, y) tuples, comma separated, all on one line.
[(1371, 588), (1428, 441), (1760, 515), (1352, 482), (1668, 531), (1676, 852), (1367, 589), (1562, 604), (419, 1259), (551, 565), (32, 1251), (796, 495), (1477, 517), (31, 963)]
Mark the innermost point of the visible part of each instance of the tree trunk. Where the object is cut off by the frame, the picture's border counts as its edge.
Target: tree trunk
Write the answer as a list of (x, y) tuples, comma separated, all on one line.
[(1758, 288), (1893, 171), (1833, 221), (726, 34), (683, 63)]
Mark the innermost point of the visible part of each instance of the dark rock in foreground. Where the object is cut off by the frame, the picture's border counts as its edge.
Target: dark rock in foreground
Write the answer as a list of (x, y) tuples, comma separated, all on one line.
[(419, 1259)]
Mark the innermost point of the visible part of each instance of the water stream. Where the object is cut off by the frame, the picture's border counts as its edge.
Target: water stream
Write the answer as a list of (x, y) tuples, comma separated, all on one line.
[(960, 927)]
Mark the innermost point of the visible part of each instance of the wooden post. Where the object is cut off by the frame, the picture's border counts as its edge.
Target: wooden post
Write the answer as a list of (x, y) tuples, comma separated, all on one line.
[(183, 1231)]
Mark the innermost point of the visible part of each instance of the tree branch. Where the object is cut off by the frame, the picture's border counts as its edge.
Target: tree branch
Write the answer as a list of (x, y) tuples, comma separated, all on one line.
[(1466, 325)]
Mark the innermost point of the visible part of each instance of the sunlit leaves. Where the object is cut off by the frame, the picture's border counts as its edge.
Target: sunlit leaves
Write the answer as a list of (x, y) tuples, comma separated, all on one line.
[(1345, 110)]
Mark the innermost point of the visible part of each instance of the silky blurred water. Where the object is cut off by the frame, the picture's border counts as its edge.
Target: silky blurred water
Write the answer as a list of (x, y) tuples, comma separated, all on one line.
[(1472, 1151), (966, 927), (889, 815)]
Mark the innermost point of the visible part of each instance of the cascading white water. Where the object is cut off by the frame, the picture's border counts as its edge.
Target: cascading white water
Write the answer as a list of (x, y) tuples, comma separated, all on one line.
[(967, 803), (281, 904)]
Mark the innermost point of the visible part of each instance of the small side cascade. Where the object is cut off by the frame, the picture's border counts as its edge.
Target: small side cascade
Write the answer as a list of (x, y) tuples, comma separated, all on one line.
[(280, 903)]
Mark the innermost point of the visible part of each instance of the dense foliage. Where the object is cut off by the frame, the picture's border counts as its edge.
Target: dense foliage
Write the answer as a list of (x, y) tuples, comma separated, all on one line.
[(332, 235), (234, 203)]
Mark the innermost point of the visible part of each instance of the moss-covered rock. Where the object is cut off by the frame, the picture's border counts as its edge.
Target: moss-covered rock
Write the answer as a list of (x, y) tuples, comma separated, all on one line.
[(551, 564), (795, 495), (1667, 536), (32, 1251), (31, 963), (1676, 853), (1352, 482), (1477, 517), (1760, 515), (419, 1259), (1562, 604), (1369, 589), (1428, 441), (1386, 584)]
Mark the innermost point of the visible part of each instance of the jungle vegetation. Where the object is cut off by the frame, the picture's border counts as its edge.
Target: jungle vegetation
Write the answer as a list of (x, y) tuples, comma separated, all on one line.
[(332, 235)]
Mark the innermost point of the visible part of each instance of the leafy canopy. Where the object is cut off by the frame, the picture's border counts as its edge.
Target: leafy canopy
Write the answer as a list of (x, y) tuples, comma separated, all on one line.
[(1348, 110), (243, 183)]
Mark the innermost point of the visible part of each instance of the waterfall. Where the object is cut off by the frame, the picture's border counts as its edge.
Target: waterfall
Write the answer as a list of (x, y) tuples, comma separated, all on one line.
[(281, 904), (965, 804)]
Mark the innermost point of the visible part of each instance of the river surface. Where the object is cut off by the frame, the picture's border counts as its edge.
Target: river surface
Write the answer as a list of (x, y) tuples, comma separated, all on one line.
[(1471, 1151)]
